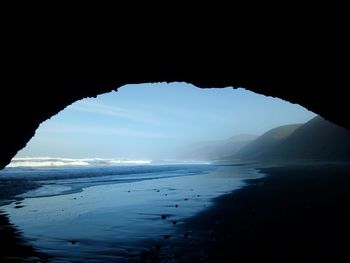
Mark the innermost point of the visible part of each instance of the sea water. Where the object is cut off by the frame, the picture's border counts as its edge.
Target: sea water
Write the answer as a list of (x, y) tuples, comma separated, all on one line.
[(105, 212)]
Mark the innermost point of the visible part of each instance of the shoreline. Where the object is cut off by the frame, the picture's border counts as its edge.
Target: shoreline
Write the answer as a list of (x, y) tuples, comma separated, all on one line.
[(156, 206), (293, 213)]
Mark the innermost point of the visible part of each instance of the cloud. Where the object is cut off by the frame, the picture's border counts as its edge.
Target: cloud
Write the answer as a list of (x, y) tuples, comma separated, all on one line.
[(198, 114), (118, 112), (88, 129)]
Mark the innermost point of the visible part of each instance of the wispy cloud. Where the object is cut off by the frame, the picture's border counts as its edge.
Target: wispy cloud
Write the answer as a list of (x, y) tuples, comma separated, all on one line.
[(198, 114), (118, 112), (96, 130)]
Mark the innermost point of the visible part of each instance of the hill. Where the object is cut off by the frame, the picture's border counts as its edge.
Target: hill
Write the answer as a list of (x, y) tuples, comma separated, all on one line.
[(266, 142), (318, 139)]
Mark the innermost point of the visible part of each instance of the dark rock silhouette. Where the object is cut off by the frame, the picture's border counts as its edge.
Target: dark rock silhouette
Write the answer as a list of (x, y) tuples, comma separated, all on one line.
[(300, 67), (38, 98)]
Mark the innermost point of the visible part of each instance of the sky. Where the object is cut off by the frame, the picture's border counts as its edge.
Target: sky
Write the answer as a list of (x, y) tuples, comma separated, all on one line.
[(155, 121)]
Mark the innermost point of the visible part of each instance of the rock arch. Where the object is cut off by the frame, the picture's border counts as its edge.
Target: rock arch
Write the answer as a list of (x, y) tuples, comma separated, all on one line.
[(29, 102)]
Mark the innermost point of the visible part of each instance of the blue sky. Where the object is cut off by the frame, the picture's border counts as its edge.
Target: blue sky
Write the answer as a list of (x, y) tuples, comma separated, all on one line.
[(152, 121)]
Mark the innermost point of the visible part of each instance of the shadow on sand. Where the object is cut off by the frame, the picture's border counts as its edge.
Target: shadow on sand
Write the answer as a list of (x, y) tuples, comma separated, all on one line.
[(13, 247)]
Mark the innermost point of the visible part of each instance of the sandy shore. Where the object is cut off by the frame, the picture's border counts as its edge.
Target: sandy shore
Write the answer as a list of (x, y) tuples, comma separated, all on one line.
[(296, 213), (126, 222), (13, 248)]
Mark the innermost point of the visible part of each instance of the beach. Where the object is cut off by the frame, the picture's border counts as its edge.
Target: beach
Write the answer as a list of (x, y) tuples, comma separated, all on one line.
[(13, 246), (296, 213), (118, 215), (230, 214)]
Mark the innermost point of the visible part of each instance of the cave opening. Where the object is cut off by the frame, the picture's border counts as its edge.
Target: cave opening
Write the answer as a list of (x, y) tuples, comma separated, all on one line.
[(175, 115), (153, 176)]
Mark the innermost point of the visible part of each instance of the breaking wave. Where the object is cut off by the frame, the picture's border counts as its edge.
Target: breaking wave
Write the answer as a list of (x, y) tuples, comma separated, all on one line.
[(61, 162)]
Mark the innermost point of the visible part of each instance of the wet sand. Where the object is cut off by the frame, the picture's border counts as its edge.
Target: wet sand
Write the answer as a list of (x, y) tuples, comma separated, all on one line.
[(121, 222), (296, 213), (13, 247)]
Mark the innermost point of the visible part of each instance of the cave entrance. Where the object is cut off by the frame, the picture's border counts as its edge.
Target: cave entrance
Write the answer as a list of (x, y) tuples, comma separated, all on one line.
[(124, 175), (157, 121)]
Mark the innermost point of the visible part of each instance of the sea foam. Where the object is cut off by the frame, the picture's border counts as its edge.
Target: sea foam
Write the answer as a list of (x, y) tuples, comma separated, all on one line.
[(59, 162)]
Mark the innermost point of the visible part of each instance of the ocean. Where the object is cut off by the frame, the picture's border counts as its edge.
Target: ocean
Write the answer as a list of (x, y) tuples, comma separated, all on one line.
[(112, 211)]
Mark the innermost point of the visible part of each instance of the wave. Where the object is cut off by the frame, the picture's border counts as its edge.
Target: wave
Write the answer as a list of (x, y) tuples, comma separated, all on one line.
[(62, 162)]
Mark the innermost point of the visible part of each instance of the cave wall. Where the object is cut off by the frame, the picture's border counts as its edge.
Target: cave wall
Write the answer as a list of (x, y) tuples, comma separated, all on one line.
[(299, 54), (29, 99)]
